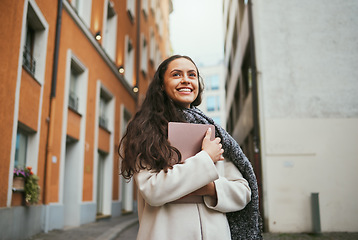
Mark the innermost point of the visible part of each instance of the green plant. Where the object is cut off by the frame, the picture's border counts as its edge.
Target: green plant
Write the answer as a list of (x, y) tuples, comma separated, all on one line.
[(32, 188)]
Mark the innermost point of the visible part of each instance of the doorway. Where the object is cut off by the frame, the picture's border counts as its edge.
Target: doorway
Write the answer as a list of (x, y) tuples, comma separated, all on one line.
[(100, 183), (71, 189)]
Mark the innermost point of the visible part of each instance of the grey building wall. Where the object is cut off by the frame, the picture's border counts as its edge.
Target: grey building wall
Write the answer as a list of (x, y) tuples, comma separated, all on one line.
[(307, 71)]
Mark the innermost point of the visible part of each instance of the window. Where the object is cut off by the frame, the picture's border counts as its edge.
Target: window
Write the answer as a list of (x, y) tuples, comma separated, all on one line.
[(29, 61), (144, 55), (145, 7), (158, 21), (153, 4), (129, 61), (35, 42), (110, 32), (76, 84), (158, 57), (218, 103), (131, 9), (152, 46), (77, 4), (103, 120), (103, 108), (83, 9), (126, 118), (73, 99), (215, 82), (21, 148), (213, 103), (212, 82)]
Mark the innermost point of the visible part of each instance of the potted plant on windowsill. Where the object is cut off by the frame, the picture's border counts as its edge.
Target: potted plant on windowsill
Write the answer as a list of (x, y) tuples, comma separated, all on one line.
[(29, 184), (18, 182)]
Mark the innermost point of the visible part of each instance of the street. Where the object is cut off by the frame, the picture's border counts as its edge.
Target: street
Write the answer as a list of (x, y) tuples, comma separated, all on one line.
[(126, 228), (131, 234), (128, 234)]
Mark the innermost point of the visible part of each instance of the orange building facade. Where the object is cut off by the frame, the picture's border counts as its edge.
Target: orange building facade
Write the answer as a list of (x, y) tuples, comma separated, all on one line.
[(73, 73)]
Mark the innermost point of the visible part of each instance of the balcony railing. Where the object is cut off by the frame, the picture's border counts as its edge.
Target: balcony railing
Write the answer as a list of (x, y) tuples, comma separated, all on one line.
[(73, 101), (28, 61), (103, 122)]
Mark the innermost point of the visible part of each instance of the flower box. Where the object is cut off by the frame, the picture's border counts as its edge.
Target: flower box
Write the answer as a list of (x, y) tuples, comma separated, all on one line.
[(26, 181), (18, 183)]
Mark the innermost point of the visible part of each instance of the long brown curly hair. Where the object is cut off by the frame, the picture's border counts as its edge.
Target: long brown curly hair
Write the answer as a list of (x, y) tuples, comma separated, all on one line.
[(145, 144)]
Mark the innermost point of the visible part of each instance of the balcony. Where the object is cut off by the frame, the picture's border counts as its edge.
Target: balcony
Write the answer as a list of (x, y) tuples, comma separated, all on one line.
[(103, 122), (28, 61), (73, 101)]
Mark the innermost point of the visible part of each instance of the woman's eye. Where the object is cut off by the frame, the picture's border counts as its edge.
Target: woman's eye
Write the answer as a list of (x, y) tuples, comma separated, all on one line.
[(192, 75), (176, 74)]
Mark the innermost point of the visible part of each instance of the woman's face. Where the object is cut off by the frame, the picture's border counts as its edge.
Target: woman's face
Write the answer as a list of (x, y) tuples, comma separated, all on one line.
[(181, 82)]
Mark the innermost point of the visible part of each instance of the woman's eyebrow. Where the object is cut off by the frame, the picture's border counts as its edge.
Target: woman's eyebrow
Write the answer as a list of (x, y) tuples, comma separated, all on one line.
[(175, 70), (178, 70)]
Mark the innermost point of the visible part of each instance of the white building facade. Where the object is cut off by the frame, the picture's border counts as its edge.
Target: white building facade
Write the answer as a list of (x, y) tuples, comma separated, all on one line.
[(213, 103), (292, 79)]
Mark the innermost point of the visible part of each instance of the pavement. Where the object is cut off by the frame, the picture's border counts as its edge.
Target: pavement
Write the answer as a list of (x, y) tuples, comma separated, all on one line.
[(104, 229), (126, 227), (310, 236)]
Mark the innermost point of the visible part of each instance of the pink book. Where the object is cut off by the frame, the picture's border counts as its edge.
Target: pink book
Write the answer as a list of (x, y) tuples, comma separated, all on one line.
[(188, 137)]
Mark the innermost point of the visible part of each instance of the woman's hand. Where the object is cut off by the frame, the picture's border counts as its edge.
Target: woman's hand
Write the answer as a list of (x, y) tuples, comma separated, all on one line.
[(213, 148)]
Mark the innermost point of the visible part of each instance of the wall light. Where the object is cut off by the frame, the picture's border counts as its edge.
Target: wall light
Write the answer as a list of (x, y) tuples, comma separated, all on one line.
[(98, 36), (121, 69), (135, 89)]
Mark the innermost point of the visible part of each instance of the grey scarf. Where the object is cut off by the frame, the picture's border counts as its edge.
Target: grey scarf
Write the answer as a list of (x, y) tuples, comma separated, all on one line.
[(244, 224)]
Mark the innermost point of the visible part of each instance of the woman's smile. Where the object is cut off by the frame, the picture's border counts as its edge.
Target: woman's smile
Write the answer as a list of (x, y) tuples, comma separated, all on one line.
[(185, 90)]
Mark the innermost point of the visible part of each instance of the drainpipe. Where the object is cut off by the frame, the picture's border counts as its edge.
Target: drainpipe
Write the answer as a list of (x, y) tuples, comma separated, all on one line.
[(137, 61), (50, 119), (255, 107)]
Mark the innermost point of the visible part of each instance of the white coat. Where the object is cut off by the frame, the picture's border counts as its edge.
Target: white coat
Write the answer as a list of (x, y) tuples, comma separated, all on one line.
[(160, 219)]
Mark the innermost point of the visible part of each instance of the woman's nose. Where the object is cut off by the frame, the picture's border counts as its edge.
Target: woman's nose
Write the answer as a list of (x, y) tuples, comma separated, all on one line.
[(185, 79)]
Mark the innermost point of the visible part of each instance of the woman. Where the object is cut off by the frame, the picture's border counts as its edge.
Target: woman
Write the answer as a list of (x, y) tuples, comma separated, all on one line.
[(202, 197)]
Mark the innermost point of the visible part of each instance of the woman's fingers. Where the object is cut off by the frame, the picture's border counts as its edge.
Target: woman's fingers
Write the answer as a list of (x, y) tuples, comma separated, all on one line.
[(213, 148), (208, 133)]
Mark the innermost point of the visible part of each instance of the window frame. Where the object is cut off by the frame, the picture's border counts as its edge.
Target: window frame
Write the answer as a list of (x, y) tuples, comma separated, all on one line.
[(129, 60), (144, 55), (131, 5), (78, 71), (144, 4), (21, 145), (35, 20), (109, 41), (83, 10), (29, 61)]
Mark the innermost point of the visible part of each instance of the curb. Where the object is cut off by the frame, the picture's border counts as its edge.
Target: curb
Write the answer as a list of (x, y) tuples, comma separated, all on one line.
[(113, 232)]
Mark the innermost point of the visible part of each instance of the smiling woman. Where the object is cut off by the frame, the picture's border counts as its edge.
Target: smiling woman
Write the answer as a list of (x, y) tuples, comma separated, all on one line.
[(184, 198), (174, 87), (181, 82)]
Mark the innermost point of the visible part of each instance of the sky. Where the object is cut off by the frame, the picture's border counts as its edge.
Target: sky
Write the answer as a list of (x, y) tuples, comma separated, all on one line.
[(196, 30)]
